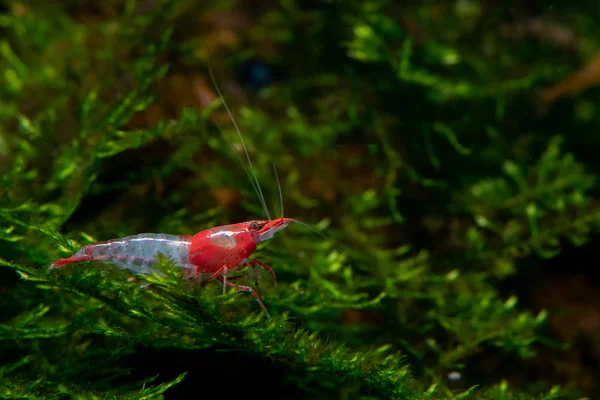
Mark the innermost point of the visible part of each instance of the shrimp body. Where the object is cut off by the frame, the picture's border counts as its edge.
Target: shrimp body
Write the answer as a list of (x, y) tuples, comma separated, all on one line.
[(135, 253), (213, 252), (227, 246)]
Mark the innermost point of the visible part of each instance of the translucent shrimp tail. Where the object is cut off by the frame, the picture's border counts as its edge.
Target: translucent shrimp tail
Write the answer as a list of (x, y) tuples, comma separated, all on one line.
[(137, 253), (254, 181)]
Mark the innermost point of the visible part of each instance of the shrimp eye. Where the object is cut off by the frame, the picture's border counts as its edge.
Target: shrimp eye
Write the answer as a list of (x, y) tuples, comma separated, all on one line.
[(254, 226)]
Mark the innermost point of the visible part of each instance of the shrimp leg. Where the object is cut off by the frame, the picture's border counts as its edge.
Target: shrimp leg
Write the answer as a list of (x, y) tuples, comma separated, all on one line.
[(254, 263), (247, 289), (223, 272)]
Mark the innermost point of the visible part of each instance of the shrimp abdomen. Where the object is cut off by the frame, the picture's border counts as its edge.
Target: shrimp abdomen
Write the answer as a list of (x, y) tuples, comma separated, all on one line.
[(136, 253)]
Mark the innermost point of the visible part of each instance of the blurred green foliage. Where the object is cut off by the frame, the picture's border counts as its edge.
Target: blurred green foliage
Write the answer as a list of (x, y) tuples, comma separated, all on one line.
[(406, 132)]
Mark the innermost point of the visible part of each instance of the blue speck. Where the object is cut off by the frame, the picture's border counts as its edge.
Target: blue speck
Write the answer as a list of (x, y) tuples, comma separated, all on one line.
[(256, 74)]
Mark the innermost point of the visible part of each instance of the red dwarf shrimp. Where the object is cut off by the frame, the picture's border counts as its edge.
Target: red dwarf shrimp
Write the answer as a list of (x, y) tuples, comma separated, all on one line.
[(212, 253)]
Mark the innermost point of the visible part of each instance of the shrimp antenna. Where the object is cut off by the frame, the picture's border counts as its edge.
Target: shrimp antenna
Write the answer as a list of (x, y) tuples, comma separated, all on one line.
[(261, 197), (318, 232), (234, 151), (279, 188)]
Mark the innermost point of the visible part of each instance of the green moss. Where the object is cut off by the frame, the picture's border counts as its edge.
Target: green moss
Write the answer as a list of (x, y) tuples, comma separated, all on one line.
[(407, 134)]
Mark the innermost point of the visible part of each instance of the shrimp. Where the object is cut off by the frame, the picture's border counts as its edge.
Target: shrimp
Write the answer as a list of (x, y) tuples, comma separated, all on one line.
[(213, 253)]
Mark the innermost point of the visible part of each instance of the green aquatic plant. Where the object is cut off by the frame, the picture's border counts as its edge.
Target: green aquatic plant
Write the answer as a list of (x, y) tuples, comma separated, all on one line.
[(397, 131)]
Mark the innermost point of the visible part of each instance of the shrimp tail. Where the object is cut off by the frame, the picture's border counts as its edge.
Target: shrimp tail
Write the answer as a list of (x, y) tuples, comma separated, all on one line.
[(69, 260)]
